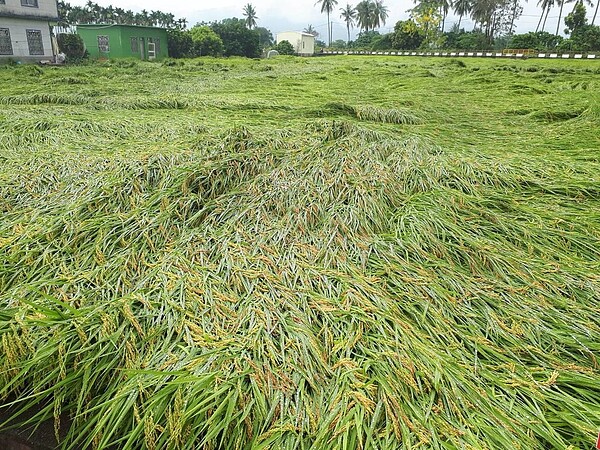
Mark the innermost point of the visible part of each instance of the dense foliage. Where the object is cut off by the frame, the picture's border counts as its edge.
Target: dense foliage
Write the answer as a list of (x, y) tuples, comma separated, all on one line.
[(317, 253), (285, 48), (237, 38), (181, 44), (407, 35), (541, 41), (206, 41), (94, 13), (72, 46), (495, 21)]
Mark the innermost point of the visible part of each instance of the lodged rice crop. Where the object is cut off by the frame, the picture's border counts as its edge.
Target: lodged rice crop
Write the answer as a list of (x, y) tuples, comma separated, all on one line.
[(245, 261)]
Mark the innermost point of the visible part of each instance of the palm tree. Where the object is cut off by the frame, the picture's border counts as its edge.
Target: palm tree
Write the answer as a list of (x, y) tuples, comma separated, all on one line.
[(327, 6), (444, 8), (154, 17), (365, 15), (64, 9), (550, 6), (562, 4), (462, 8), (348, 14), (546, 6), (484, 12), (380, 14), (250, 14), (516, 5), (310, 30)]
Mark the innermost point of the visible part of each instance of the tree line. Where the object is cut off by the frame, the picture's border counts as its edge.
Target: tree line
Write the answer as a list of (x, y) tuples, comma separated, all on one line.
[(494, 24), (97, 14)]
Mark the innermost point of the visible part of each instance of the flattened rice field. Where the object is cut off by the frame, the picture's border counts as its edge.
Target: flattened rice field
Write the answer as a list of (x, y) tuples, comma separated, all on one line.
[(329, 253)]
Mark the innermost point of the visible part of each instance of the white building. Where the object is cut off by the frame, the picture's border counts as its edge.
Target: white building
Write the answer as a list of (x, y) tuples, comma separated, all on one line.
[(25, 29), (303, 43)]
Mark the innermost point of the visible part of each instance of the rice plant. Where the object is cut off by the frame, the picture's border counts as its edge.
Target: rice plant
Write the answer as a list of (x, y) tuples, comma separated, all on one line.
[(229, 263)]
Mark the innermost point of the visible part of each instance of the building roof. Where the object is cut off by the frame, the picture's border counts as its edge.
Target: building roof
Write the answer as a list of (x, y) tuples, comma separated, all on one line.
[(298, 32), (100, 26)]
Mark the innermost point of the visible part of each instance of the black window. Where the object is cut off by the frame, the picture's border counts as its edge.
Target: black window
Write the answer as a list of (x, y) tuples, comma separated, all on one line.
[(5, 43), (35, 43), (157, 45), (30, 3), (135, 45)]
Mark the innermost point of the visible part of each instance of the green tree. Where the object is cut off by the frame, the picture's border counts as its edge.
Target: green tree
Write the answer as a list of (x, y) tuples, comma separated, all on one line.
[(383, 42), (407, 35), (426, 15), (365, 39), (265, 37), (444, 9), (561, 3), (348, 15), (541, 41), (546, 7), (327, 7), (583, 37), (237, 39), (339, 43), (371, 14), (72, 46), (180, 44), (206, 41), (517, 10), (285, 48), (93, 13), (473, 40), (250, 15), (380, 14), (462, 8), (311, 30), (364, 15), (576, 19)]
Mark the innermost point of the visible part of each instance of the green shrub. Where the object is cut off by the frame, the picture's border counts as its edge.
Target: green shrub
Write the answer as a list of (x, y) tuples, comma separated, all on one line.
[(72, 46), (285, 48)]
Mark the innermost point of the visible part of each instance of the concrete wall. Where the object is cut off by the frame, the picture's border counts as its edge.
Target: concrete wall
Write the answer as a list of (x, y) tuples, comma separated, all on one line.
[(14, 8), (18, 36)]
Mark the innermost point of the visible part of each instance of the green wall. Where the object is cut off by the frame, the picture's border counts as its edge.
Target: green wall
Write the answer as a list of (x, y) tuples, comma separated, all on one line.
[(124, 41)]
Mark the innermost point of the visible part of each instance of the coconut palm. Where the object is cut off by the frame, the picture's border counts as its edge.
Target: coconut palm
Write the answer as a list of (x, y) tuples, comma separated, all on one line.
[(561, 4), (349, 15), (445, 6), (462, 8), (365, 11), (546, 6), (327, 7), (484, 12), (516, 5), (311, 30), (250, 15), (380, 13)]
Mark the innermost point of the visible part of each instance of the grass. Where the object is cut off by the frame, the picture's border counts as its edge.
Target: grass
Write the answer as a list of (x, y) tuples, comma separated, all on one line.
[(328, 253)]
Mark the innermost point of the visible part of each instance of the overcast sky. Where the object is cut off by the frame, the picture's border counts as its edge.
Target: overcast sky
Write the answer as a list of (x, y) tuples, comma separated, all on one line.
[(278, 15)]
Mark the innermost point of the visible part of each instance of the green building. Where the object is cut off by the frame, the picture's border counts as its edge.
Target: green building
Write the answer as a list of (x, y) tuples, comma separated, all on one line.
[(124, 41)]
